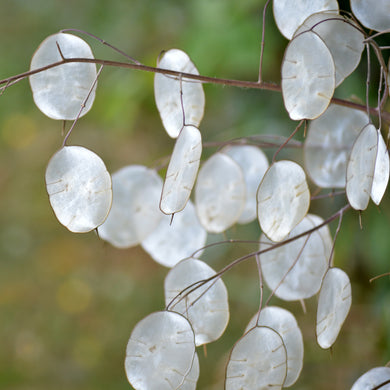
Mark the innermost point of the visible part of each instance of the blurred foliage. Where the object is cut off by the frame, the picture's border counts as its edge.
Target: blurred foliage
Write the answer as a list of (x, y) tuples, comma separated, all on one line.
[(69, 302)]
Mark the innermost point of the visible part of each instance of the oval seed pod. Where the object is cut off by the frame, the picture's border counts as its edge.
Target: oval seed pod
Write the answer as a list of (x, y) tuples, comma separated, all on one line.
[(284, 323), (329, 142), (206, 307), (382, 171), (182, 170), (373, 14), (134, 212), (257, 361), (79, 188), (61, 91), (361, 167), (160, 352), (219, 193), (289, 15), (283, 199), (295, 270), (308, 76), (254, 164), (174, 240), (172, 95), (373, 379), (346, 52), (334, 302)]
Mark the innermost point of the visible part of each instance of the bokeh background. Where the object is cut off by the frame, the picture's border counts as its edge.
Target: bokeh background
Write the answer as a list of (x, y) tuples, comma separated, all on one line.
[(68, 302)]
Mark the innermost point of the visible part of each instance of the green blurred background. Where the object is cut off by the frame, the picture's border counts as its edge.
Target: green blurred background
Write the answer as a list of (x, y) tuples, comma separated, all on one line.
[(68, 302)]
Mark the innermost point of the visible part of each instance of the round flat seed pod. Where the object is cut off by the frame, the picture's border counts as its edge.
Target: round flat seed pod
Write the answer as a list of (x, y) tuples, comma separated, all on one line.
[(182, 170), (295, 270), (285, 324), (219, 193), (346, 52), (334, 302), (373, 14), (382, 171), (79, 188), (283, 199), (257, 361), (134, 212), (361, 167), (289, 15), (60, 92), (160, 352), (373, 379), (308, 76), (254, 164), (172, 95), (329, 142), (171, 242), (207, 307)]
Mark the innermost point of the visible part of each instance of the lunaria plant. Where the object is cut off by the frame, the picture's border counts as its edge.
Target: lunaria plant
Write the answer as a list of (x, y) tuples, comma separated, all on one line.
[(175, 213)]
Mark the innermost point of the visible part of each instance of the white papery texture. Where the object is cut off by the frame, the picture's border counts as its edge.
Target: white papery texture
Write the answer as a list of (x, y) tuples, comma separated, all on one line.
[(59, 92), (254, 164), (219, 193), (308, 76), (160, 352), (283, 199), (134, 213), (382, 171), (285, 324), (373, 14), (361, 168), (172, 95), (207, 307), (346, 52), (289, 15), (329, 142), (373, 378), (334, 302), (258, 361), (174, 240), (182, 170), (295, 270), (79, 188)]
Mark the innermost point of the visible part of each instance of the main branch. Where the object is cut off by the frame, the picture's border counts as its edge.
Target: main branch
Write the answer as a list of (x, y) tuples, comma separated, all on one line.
[(182, 75)]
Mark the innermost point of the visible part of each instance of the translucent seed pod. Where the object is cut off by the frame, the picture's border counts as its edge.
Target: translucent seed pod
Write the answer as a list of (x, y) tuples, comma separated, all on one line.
[(346, 52), (219, 193), (172, 95), (254, 164), (334, 302), (174, 240), (381, 172), (257, 361), (373, 379), (206, 307), (329, 142), (373, 14), (308, 76), (284, 323), (361, 168), (182, 170), (160, 353), (283, 199), (294, 271), (61, 91), (79, 188), (289, 15), (134, 213)]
